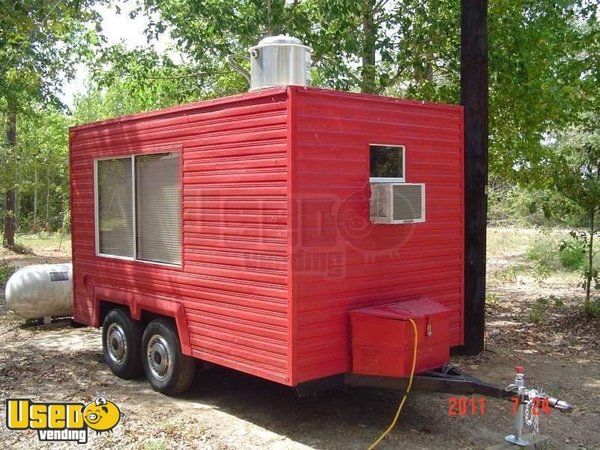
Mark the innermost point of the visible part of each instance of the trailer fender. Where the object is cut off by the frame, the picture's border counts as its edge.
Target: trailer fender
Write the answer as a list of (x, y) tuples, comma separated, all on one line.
[(138, 302)]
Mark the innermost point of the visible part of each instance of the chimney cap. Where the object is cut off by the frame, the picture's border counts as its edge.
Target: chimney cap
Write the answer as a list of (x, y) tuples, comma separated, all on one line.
[(281, 39)]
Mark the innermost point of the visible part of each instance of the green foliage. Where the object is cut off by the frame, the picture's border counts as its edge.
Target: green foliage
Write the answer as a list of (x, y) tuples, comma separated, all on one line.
[(541, 272), (538, 310), (5, 272), (491, 300), (39, 45), (40, 42), (593, 309), (38, 168), (575, 167), (511, 204), (542, 60), (573, 251), (543, 251), (541, 79), (542, 56)]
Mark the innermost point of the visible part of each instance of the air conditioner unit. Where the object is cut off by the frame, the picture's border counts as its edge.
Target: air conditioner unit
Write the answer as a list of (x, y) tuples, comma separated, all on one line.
[(397, 203)]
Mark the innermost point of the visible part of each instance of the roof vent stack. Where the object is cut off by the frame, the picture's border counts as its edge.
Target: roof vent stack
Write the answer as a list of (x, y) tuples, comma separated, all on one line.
[(279, 61)]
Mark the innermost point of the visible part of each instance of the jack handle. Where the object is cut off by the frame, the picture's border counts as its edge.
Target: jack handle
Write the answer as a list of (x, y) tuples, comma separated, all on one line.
[(553, 402), (561, 405)]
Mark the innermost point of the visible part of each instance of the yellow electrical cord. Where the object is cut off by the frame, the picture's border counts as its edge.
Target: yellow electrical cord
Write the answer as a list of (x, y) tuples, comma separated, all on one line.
[(410, 381)]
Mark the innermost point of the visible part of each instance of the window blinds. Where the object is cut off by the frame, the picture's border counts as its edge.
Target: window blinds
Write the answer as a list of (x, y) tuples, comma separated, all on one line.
[(115, 207), (158, 207)]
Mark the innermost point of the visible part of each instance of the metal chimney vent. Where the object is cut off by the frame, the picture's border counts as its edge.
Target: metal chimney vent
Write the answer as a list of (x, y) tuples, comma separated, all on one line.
[(279, 61)]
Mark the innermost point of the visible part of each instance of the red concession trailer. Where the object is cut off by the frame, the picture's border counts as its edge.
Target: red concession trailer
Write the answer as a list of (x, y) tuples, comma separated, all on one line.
[(288, 233)]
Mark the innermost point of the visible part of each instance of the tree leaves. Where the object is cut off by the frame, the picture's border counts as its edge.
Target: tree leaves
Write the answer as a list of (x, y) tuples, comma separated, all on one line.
[(39, 43), (543, 59), (543, 56)]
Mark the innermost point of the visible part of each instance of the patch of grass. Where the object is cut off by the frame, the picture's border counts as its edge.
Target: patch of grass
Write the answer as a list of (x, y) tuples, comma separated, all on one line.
[(538, 310), (491, 300), (43, 239), (541, 272), (544, 250), (594, 309), (508, 240), (505, 274), (22, 250), (545, 254), (156, 445), (5, 272), (572, 254), (42, 242)]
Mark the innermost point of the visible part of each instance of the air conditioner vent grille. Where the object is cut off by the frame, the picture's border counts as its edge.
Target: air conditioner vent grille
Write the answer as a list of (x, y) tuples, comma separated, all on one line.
[(397, 203), (407, 202)]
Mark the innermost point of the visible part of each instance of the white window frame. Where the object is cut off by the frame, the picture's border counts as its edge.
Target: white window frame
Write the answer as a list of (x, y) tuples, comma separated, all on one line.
[(134, 209), (401, 179)]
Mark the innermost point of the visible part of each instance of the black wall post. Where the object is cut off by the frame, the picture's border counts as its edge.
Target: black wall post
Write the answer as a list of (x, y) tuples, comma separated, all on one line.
[(474, 98)]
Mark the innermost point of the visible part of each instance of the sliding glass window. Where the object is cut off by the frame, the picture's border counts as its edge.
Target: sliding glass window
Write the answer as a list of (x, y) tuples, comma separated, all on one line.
[(138, 207)]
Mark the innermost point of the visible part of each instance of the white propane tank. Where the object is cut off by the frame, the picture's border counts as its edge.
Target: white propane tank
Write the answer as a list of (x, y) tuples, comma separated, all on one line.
[(41, 290)]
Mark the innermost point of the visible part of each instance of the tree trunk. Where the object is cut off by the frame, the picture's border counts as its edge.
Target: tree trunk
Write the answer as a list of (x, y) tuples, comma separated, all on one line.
[(8, 240), (48, 202), (35, 199), (270, 30), (589, 273), (368, 71), (17, 201)]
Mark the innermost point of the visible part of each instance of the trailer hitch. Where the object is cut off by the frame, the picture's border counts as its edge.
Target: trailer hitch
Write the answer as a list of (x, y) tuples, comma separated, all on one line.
[(448, 379)]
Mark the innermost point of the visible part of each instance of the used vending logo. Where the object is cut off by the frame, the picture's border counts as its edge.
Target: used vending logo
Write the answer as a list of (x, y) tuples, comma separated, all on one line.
[(56, 422)]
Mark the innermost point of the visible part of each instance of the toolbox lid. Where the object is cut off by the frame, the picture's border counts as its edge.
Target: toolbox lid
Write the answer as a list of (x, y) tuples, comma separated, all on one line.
[(404, 310)]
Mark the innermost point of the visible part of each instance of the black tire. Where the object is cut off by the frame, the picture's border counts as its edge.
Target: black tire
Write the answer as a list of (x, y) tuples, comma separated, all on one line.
[(122, 344), (167, 368)]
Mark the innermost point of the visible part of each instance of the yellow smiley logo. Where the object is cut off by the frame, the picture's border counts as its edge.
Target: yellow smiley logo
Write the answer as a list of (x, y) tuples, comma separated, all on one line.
[(101, 415)]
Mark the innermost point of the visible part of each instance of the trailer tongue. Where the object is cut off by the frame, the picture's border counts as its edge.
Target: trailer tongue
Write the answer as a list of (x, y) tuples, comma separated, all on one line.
[(449, 380)]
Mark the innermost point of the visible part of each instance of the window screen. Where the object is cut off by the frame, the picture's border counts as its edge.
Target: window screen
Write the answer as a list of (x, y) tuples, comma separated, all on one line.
[(386, 161), (115, 207), (158, 205)]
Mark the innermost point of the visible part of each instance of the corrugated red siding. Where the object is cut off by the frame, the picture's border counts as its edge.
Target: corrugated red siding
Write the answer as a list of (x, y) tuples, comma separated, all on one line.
[(233, 281), (340, 260), (277, 244)]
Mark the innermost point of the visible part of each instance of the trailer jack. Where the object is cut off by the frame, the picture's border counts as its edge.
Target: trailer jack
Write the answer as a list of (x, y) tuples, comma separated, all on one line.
[(529, 401)]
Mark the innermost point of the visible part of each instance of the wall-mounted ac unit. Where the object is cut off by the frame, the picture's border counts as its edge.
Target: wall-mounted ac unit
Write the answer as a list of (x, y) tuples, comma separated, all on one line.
[(397, 203)]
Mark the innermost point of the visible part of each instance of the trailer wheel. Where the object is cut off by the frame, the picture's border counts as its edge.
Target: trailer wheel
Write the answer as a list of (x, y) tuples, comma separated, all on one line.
[(167, 368), (122, 344)]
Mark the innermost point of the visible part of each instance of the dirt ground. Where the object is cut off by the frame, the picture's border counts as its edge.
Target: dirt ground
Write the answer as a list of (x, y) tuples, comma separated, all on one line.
[(226, 409)]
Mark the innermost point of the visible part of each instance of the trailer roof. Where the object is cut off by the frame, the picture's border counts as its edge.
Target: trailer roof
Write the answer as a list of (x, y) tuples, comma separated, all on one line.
[(256, 94)]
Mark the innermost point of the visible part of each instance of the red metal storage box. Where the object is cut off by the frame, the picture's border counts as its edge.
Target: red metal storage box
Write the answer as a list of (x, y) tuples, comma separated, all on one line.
[(383, 338)]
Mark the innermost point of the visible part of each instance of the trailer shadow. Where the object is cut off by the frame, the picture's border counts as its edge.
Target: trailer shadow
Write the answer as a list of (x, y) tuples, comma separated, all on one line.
[(345, 417), (63, 364), (228, 409)]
